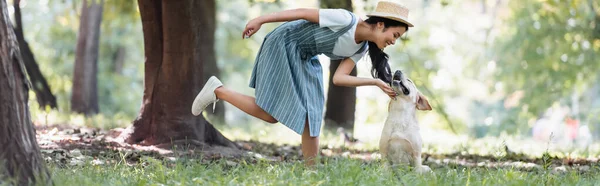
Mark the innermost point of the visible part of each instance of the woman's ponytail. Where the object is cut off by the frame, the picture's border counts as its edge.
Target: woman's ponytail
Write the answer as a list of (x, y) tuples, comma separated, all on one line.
[(381, 67)]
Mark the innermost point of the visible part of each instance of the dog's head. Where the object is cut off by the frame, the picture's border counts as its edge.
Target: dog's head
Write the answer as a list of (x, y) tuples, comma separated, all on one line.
[(408, 92)]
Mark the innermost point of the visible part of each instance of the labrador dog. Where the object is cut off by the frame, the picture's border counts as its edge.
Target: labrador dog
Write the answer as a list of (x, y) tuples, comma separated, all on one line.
[(400, 141)]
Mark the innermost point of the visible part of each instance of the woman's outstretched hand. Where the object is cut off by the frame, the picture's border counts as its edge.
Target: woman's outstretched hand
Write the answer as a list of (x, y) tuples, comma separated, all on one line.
[(386, 88), (251, 28)]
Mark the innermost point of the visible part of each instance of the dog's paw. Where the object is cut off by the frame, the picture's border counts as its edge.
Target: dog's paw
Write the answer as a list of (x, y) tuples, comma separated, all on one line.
[(423, 169)]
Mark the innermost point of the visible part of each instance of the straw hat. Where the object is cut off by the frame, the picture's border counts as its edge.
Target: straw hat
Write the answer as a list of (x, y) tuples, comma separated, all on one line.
[(391, 10)]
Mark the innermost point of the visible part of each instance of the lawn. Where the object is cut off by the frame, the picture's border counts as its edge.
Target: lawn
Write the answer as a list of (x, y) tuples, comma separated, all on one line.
[(279, 164), (332, 171), (75, 156)]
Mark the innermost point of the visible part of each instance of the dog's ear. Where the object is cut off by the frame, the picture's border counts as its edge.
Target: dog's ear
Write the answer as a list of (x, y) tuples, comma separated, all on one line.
[(422, 103)]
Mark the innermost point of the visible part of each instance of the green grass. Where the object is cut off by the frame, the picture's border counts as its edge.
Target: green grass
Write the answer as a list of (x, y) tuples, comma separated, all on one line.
[(332, 171)]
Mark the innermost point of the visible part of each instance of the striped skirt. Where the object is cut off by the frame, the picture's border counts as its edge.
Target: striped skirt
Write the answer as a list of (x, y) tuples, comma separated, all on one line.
[(288, 85)]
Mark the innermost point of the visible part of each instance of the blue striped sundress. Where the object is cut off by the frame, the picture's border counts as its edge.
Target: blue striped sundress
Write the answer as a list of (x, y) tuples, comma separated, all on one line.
[(287, 76)]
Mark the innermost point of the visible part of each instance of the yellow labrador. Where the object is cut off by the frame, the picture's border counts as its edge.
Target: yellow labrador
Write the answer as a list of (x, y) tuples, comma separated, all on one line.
[(400, 141)]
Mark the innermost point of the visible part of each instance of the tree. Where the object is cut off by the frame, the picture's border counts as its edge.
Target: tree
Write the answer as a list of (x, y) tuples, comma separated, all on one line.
[(39, 84), (549, 54), (84, 98), (341, 101), (20, 158), (178, 40)]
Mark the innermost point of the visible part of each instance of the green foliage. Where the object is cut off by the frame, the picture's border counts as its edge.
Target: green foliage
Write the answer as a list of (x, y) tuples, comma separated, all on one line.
[(549, 51), (418, 58), (490, 113), (51, 28), (121, 10), (264, 2), (336, 4), (235, 56)]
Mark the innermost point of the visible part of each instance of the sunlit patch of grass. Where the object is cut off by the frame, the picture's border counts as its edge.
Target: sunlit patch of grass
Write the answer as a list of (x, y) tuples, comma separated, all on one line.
[(434, 142), (332, 171), (54, 117)]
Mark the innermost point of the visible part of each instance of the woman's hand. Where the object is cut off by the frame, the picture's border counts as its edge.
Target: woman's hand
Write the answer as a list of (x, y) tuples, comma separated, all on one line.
[(386, 88), (342, 77), (251, 28)]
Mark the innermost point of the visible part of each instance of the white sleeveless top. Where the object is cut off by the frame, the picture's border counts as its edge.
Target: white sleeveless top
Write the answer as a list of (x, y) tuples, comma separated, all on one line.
[(336, 19)]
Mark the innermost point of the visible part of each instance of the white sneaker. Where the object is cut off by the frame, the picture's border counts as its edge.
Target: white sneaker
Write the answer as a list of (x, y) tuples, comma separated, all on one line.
[(206, 96)]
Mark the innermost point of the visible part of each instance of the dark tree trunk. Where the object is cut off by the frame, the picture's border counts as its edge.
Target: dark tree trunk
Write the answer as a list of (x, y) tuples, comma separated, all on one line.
[(84, 98), (20, 160), (39, 84), (341, 101), (119, 60), (177, 43), (210, 62)]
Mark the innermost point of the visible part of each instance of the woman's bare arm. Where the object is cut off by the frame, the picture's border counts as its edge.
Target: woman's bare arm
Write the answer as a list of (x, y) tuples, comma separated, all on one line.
[(342, 77), (309, 14)]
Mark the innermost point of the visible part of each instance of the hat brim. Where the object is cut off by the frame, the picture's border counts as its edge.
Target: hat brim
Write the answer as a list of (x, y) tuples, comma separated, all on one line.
[(390, 16)]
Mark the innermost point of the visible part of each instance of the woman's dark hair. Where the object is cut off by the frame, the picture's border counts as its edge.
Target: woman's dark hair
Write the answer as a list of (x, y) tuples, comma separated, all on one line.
[(381, 67)]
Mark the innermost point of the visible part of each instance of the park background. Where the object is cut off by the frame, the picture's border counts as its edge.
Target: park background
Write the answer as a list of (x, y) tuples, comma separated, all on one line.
[(502, 76)]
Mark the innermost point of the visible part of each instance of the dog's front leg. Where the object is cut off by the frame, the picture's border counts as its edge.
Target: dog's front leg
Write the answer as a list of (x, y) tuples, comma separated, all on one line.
[(417, 162), (420, 168)]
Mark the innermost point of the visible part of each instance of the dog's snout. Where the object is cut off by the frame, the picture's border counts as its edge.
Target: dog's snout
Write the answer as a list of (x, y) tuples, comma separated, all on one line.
[(398, 75)]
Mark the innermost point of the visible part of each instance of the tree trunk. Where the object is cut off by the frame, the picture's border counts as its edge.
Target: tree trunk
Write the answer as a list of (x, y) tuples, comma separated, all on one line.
[(341, 101), (20, 160), (119, 60), (39, 84), (84, 98), (210, 62), (177, 43)]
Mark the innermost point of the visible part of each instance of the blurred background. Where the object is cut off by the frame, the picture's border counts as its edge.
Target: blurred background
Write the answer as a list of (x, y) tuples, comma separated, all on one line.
[(515, 73)]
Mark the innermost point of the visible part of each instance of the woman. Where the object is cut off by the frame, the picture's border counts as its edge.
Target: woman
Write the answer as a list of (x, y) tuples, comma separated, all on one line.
[(287, 76)]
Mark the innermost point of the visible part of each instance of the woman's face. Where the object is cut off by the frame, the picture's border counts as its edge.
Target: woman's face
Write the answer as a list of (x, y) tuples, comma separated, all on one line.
[(387, 36)]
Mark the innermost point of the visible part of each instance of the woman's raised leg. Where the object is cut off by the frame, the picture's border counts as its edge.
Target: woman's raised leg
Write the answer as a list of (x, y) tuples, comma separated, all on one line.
[(310, 145), (243, 102)]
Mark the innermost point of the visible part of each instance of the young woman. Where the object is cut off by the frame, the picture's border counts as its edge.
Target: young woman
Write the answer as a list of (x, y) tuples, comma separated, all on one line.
[(287, 76)]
